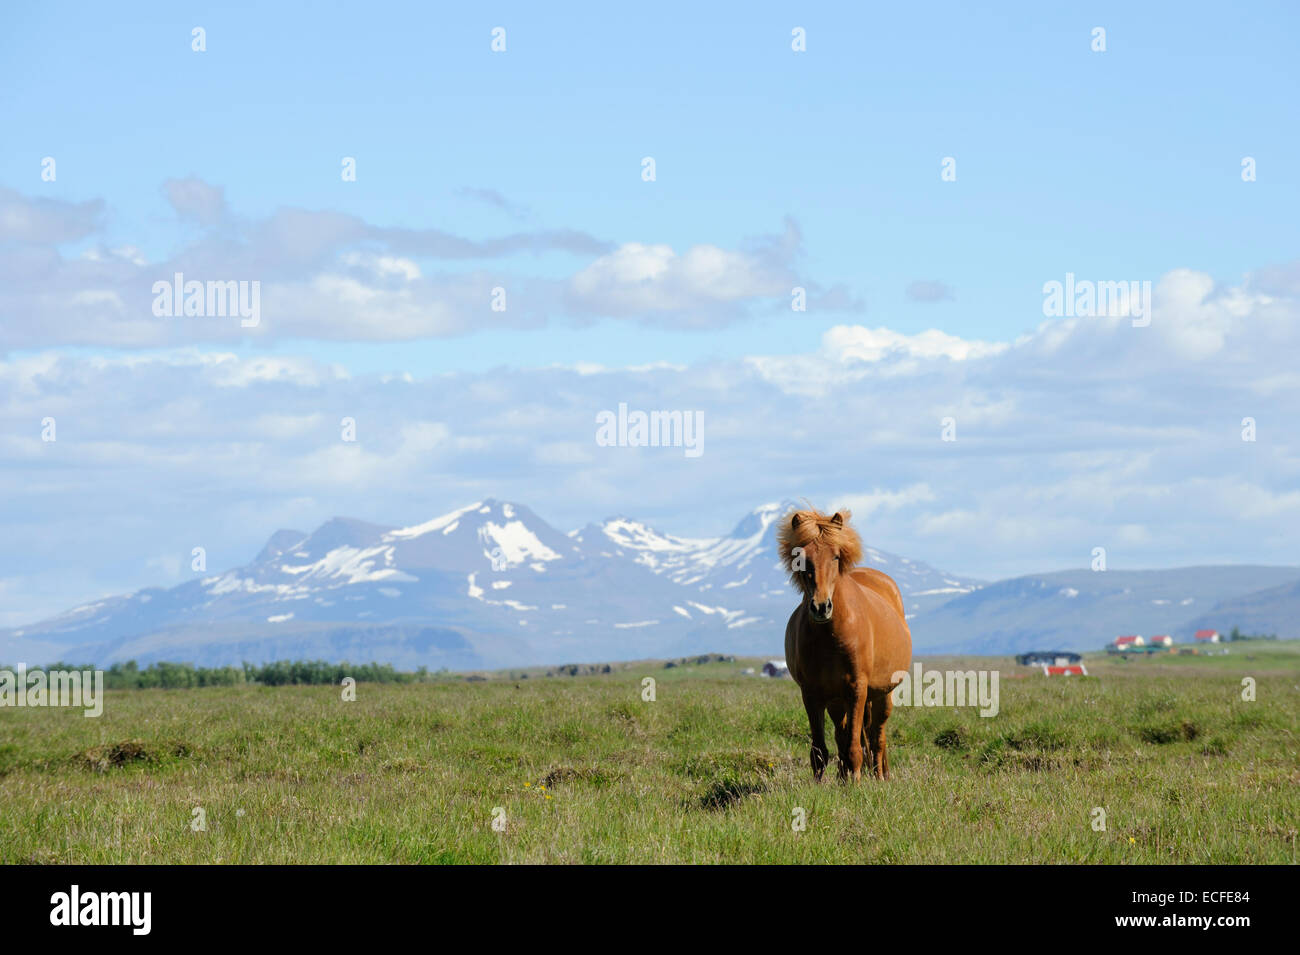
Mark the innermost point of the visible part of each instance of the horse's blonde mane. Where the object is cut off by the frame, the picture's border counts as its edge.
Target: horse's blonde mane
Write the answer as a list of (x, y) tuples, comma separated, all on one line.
[(816, 526)]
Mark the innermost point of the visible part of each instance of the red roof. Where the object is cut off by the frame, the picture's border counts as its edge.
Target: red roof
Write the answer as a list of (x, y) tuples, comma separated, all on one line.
[(1125, 639), (1206, 634)]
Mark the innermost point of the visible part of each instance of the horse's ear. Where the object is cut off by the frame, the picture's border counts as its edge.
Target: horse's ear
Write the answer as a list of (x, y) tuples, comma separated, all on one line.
[(794, 521), (838, 519)]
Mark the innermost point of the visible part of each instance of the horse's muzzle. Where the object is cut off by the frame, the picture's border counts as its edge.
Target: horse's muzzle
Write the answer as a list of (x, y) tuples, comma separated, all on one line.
[(821, 612)]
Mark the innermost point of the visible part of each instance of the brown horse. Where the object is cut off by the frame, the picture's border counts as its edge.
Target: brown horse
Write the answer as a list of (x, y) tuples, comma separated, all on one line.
[(844, 642)]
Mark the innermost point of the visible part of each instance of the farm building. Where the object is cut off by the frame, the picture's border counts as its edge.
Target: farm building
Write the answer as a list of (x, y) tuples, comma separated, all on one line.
[(1053, 657), (1207, 636), (1162, 640), (775, 668), (1129, 642)]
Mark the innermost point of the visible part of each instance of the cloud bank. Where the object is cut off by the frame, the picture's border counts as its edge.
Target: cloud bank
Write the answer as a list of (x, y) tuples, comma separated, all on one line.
[(1089, 432)]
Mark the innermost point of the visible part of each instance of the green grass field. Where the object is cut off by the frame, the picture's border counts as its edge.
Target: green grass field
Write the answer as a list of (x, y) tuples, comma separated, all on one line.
[(712, 771)]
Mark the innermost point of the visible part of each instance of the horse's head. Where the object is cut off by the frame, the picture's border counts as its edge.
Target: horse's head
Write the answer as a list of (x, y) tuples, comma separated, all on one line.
[(816, 549)]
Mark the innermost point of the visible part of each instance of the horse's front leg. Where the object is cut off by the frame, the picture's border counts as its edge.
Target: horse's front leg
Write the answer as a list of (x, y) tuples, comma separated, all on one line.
[(855, 736), (848, 736), (819, 754)]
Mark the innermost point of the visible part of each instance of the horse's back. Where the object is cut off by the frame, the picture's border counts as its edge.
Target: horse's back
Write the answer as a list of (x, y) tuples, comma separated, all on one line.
[(881, 583), (891, 636)]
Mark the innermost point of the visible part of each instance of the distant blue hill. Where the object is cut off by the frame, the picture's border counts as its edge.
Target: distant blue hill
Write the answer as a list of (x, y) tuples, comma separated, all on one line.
[(1084, 610)]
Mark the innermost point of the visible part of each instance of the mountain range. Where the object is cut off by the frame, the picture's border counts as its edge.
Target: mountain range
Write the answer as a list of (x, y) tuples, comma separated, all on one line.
[(491, 584)]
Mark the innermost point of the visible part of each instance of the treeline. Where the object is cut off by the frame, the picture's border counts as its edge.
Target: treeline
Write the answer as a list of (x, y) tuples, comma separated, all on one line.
[(1236, 635), (178, 676)]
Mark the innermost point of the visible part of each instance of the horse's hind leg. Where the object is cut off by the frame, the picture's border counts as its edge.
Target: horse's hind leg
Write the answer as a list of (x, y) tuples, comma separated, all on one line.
[(868, 751), (881, 707), (819, 754)]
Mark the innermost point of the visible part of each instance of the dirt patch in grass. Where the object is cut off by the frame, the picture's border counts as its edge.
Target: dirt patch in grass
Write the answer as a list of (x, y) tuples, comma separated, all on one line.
[(591, 775), (1033, 762), (130, 752), (722, 794), (1040, 736), (954, 737)]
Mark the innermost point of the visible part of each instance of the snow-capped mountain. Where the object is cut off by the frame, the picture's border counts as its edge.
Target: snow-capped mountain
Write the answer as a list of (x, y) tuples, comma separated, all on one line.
[(745, 560), (488, 584)]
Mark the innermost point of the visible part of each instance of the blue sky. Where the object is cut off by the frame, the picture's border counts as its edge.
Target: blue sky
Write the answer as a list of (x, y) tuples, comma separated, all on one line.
[(819, 168), (1117, 163)]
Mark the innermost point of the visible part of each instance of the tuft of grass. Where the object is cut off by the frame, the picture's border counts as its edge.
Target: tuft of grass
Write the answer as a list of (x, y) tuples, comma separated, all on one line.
[(1216, 746), (1161, 734), (1040, 736), (787, 723)]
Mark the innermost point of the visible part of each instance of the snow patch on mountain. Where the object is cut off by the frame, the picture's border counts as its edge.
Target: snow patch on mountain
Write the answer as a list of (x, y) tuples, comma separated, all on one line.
[(351, 565), (437, 524), (514, 544)]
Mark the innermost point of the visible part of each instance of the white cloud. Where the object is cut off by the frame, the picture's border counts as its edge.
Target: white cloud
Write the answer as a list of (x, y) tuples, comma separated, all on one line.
[(656, 282), (853, 342), (330, 276), (864, 505), (851, 353), (383, 266)]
